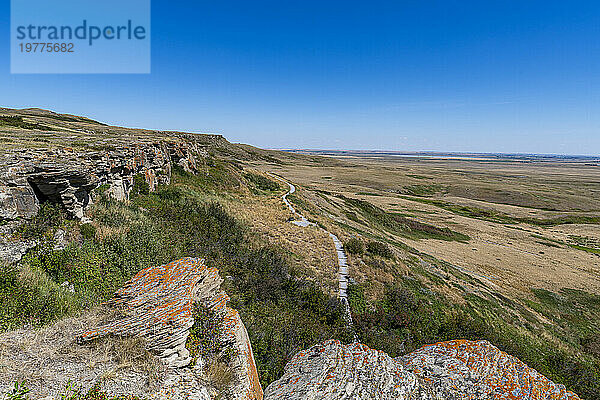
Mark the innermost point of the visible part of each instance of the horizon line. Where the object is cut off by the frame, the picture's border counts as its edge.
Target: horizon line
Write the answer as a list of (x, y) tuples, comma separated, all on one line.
[(440, 152)]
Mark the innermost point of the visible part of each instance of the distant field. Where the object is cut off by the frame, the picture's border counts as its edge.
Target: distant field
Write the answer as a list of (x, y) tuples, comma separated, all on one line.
[(502, 204)]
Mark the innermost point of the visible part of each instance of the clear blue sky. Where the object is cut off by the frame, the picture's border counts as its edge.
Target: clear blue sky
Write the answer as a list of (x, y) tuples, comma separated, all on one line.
[(485, 76)]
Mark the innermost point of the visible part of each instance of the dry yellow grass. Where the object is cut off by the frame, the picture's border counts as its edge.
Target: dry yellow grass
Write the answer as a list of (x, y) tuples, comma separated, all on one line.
[(511, 258), (312, 250), (49, 357)]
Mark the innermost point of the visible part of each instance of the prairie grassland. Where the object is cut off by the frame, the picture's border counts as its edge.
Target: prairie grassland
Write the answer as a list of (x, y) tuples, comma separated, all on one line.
[(505, 208), (495, 249)]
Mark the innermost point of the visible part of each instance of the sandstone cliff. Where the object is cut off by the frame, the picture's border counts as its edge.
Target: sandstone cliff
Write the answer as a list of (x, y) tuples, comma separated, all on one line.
[(67, 177)]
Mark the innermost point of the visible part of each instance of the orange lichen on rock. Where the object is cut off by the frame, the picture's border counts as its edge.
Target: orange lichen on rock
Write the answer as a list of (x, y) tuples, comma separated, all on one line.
[(477, 370), (157, 304), (456, 370)]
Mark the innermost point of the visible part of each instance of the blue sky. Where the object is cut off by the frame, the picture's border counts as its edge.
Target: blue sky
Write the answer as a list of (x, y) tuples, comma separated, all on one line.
[(484, 76)]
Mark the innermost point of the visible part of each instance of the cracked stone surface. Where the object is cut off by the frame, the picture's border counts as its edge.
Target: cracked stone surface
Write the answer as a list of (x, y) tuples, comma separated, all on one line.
[(68, 177), (157, 304), (450, 370), (462, 369)]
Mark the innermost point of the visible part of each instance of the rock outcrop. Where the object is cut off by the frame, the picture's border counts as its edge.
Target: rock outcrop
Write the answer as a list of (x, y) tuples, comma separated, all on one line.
[(450, 371), (68, 177), (157, 304), (462, 369), (335, 371)]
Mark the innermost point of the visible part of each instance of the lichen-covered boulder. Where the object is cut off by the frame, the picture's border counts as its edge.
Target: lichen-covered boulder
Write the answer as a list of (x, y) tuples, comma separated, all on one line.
[(336, 371), (157, 304), (462, 369), (456, 370)]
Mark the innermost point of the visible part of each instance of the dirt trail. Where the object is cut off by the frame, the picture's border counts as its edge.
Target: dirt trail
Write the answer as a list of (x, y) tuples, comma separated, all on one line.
[(341, 254)]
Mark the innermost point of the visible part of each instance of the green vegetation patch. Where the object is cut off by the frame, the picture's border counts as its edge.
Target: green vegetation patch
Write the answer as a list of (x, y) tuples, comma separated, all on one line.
[(70, 392), (19, 123), (498, 217), (379, 249), (397, 223), (284, 311), (214, 176), (354, 246), (422, 190), (140, 186), (467, 211), (261, 182), (410, 315), (206, 341), (28, 297), (418, 176), (368, 194)]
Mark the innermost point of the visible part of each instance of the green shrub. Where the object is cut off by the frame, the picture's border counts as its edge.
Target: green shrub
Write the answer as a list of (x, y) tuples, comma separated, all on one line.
[(205, 339), (357, 299), (19, 392), (30, 297), (88, 231), (379, 249), (261, 182), (397, 223), (354, 246), (100, 190), (49, 216), (140, 186)]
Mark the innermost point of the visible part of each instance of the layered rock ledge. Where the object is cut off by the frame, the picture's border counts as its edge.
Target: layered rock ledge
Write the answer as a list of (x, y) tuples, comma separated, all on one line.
[(451, 371), (68, 177), (157, 304)]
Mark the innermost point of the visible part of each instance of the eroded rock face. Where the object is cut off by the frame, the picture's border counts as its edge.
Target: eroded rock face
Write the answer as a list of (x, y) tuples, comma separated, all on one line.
[(450, 371), (157, 304), (68, 177)]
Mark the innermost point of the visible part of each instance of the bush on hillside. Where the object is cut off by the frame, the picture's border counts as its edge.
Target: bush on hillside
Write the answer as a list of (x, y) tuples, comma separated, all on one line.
[(140, 186), (354, 246), (261, 182), (379, 249), (29, 297), (48, 217)]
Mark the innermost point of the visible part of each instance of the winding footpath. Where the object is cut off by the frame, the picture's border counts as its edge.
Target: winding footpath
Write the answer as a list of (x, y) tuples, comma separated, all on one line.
[(339, 247)]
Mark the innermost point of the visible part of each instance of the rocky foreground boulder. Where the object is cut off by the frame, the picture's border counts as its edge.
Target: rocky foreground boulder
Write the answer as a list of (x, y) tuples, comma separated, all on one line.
[(157, 304), (157, 307), (451, 371), (136, 343)]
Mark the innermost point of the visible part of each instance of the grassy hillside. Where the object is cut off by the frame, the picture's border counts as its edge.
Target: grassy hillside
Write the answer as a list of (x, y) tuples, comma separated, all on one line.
[(283, 311)]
